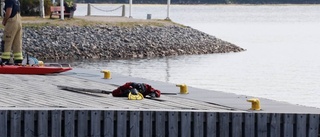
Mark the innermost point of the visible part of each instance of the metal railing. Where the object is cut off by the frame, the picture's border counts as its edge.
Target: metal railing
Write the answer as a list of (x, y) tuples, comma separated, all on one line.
[(105, 10)]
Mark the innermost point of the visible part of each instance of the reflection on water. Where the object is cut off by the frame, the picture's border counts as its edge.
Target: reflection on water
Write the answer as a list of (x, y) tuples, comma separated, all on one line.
[(158, 67)]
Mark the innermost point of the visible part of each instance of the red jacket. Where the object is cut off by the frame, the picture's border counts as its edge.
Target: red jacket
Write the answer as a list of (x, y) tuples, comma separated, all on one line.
[(144, 89)]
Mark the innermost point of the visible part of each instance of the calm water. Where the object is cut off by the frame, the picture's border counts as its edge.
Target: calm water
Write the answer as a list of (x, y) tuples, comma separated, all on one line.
[(282, 61)]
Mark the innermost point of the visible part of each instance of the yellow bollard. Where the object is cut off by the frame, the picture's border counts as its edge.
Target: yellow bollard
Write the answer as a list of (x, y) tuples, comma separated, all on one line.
[(255, 104), (183, 88), (107, 74)]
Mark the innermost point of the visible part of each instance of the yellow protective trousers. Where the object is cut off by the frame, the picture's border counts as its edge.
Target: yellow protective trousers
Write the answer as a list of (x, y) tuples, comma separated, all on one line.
[(12, 39)]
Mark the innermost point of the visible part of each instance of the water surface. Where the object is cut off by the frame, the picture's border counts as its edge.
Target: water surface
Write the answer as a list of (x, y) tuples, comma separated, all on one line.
[(282, 60)]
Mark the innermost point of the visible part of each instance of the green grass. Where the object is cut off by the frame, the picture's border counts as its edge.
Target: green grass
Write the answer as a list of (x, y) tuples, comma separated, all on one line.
[(37, 22)]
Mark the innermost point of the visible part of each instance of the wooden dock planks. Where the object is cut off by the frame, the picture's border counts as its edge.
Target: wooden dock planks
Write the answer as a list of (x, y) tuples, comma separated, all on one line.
[(36, 107), (42, 92)]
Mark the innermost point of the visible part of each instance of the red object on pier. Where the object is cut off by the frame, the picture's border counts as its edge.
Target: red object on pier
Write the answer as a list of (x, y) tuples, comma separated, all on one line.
[(32, 70)]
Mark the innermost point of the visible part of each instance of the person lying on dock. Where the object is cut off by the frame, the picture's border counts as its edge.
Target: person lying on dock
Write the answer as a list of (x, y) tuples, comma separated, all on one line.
[(133, 88)]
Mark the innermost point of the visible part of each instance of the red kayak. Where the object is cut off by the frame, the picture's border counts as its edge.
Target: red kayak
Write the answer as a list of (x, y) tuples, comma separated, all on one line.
[(32, 70)]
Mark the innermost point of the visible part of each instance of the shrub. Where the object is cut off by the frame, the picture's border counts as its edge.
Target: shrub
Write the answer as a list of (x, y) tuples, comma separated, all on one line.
[(32, 7)]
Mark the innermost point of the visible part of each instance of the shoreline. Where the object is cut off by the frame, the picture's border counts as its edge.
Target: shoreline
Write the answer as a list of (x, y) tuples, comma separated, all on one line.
[(97, 37)]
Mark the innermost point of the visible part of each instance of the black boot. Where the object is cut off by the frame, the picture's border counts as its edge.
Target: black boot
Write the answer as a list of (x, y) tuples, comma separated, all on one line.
[(18, 62), (5, 62)]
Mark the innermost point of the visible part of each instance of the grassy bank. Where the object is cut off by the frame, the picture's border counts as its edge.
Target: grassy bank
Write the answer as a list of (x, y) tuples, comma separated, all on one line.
[(92, 21)]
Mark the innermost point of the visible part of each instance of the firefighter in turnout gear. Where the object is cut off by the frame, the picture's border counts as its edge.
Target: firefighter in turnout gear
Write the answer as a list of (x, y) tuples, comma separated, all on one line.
[(12, 35)]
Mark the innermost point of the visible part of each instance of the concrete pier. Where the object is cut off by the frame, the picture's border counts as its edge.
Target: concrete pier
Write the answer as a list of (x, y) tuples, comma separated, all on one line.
[(34, 105)]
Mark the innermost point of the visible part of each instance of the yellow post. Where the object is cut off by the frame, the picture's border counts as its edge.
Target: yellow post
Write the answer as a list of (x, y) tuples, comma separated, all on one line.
[(107, 74), (255, 104), (183, 88)]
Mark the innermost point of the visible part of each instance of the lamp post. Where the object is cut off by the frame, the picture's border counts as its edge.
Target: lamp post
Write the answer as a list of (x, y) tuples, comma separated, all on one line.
[(42, 14), (1, 7), (168, 9), (62, 10), (130, 4)]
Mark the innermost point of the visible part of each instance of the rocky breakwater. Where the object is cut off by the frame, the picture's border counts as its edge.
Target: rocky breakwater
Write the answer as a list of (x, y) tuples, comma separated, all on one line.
[(112, 42)]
